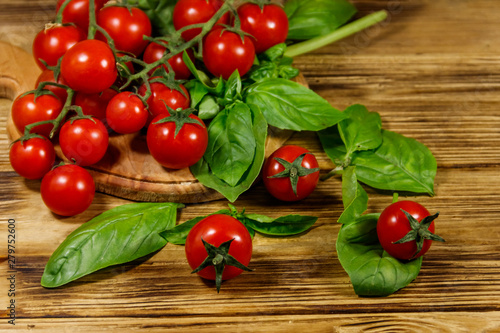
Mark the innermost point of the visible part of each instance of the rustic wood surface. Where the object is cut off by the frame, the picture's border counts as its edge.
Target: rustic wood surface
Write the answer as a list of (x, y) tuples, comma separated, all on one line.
[(432, 72)]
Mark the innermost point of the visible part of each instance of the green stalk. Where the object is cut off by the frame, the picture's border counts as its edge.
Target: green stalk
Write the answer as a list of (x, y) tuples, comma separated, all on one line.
[(342, 32)]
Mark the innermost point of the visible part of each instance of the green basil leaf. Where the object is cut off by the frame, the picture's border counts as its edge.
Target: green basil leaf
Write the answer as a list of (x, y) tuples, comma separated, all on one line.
[(354, 197), (197, 91), (159, 13), (312, 18), (373, 272), (398, 164), (233, 89), (119, 235), (362, 130), (203, 173), (208, 108), (289, 105), (215, 87), (332, 144), (272, 64), (282, 226), (362, 229), (274, 53), (231, 143)]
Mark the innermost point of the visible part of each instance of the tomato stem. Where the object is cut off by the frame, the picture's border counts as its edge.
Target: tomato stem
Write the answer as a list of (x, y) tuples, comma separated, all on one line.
[(346, 30), (59, 15)]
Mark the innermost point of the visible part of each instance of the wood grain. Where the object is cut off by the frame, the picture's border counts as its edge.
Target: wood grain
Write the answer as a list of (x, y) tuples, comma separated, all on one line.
[(432, 72)]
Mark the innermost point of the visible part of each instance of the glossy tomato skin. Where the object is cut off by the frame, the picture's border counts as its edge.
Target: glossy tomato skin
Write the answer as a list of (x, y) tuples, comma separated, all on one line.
[(268, 26), (77, 12), (33, 158), (188, 12), (217, 229), (162, 95), (281, 188), (52, 43), (48, 76), (224, 52), (393, 225), (26, 110), (126, 113), (89, 67), (180, 151), (84, 141), (68, 190), (155, 52), (95, 104), (126, 26)]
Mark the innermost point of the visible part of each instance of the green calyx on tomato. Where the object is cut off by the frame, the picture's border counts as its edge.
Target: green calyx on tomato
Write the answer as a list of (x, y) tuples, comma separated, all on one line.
[(179, 117), (218, 257), (293, 170), (419, 232)]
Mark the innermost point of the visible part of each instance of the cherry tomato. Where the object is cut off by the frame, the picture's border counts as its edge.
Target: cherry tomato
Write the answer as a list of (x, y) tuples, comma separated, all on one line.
[(26, 110), (188, 12), (126, 113), (177, 151), (126, 26), (306, 173), (84, 141), (53, 42), (155, 52), (215, 230), (89, 66), (224, 52), (77, 11), (393, 225), (48, 76), (68, 190), (95, 104), (32, 158), (162, 95), (268, 26)]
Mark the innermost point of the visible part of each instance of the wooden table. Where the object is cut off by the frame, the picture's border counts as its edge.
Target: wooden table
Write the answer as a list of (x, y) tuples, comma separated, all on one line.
[(433, 73)]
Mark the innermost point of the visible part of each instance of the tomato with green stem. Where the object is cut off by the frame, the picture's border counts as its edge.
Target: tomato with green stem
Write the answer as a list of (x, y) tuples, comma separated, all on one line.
[(84, 141), (95, 104), (218, 248), (177, 140), (164, 97), (405, 230), (48, 76), (291, 173), (126, 113), (155, 52), (32, 158), (77, 12), (68, 190)]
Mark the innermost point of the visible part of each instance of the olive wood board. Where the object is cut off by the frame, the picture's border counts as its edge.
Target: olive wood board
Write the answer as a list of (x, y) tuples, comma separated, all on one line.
[(127, 170)]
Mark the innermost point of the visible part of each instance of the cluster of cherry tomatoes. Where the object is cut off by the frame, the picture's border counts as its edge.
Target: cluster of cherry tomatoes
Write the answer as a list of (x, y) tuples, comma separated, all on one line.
[(104, 72)]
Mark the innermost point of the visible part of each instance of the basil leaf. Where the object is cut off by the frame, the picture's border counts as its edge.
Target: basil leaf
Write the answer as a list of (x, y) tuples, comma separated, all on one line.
[(208, 108), (160, 14), (215, 87), (233, 89), (203, 173), (117, 236), (362, 229), (332, 144), (354, 197), (289, 105), (272, 64), (197, 91), (398, 164), (373, 272), (231, 143), (362, 130), (312, 18), (282, 226)]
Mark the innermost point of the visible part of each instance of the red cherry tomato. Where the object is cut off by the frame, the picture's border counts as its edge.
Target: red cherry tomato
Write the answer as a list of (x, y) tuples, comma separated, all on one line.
[(155, 52), (177, 151), (95, 104), (77, 12), (281, 188), (126, 26), (188, 12), (68, 190), (26, 110), (32, 158), (84, 141), (89, 66), (224, 52), (126, 113), (393, 225), (268, 26), (48, 76), (162, 95), (53, 42), (215, 230)]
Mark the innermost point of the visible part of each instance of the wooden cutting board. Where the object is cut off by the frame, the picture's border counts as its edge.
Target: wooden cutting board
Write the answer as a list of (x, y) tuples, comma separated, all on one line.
[(127, 170)]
